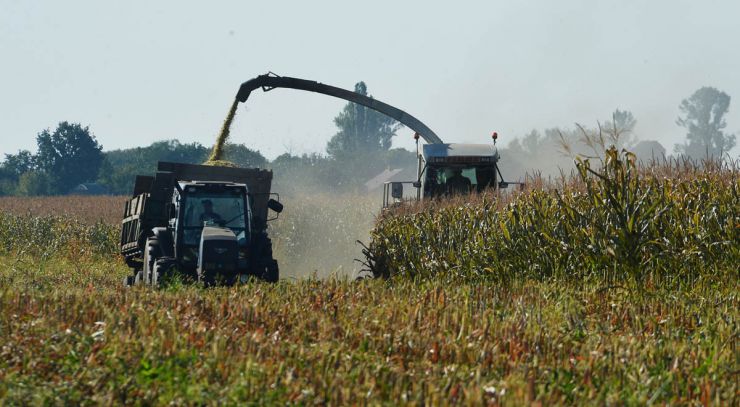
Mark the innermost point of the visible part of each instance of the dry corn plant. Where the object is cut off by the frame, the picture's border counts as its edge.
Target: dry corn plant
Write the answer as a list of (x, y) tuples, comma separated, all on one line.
[(217, 154)]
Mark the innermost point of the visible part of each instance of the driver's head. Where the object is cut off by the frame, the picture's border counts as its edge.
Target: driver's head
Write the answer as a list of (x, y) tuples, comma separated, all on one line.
[(207, 205), (457, 172)]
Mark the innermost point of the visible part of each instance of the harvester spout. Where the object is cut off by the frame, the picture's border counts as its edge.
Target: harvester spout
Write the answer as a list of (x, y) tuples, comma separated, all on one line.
[(271, 81)]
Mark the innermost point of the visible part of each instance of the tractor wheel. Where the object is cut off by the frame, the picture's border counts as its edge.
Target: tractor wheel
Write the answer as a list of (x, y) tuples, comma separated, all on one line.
[(271, 273), (163, 271), (139, 277), (151, 252)]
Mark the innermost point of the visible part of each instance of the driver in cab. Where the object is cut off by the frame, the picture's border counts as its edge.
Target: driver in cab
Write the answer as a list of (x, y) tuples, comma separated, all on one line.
[(457, 183), (208, 214)]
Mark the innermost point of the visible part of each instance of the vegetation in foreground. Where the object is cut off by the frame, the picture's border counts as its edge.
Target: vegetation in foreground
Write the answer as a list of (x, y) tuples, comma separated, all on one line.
[(71, 333)]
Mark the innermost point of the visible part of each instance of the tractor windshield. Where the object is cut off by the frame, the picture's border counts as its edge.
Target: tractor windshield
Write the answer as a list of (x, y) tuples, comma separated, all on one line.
[(458, 179), (225, 208)]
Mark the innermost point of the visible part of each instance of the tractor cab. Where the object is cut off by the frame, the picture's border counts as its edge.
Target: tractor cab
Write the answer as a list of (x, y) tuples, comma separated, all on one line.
[(454, 169), (448, 169), (210, 205)]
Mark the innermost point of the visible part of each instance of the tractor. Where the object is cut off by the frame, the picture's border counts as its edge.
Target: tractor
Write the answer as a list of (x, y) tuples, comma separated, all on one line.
[(200, 223)]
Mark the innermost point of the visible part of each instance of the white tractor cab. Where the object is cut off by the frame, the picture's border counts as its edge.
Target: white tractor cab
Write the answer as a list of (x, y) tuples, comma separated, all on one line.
[(447, 169)]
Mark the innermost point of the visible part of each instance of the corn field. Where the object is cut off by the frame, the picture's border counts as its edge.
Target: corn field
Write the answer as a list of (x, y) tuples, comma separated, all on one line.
[(614, 223)]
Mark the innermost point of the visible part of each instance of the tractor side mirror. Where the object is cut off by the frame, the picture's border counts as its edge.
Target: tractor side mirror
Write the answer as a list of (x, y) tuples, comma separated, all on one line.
[(397, 190), (275, 205), (503, 185), (417, 184)]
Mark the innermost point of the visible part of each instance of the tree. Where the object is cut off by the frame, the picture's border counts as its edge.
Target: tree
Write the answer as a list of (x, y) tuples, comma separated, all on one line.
[(703, 117), (7, 185), (17, 164), (620, 129), (361, 130), (33, 183), (69, 156), (121, 166), (243, 156)]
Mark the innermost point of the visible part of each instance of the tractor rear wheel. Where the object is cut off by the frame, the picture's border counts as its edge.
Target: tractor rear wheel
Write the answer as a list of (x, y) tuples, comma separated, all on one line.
[(139, 277), (151, 252)]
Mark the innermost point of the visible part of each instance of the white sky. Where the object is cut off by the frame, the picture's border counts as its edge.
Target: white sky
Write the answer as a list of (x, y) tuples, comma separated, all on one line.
[(140, 71)]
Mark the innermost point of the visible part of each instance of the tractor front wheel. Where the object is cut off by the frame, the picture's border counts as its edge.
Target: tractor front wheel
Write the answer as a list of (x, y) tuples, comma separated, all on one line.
[(271, 274), (163, 271)]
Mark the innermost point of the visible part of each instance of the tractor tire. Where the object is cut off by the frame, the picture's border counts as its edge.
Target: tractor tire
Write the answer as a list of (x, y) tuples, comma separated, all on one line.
[(163, 271), (271, 273), (139, 277), (151, 252)]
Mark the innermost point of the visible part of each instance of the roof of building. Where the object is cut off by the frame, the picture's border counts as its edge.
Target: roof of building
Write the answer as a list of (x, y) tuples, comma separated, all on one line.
[(89, 188)]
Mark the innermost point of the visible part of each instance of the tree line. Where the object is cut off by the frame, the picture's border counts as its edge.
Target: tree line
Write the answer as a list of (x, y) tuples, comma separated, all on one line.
[(70, 155), (702, 116)]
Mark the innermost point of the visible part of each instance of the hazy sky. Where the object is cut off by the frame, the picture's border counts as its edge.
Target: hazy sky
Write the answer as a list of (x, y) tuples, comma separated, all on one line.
[(140, 71)]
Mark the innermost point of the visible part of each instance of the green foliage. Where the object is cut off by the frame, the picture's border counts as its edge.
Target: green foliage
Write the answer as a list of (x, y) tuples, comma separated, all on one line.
[(7, 184), (612, 224), (7, 187), (243, 156), (124, 165), (69, 156), (34, 183), (361, 130), (16, 165), (703, 116)]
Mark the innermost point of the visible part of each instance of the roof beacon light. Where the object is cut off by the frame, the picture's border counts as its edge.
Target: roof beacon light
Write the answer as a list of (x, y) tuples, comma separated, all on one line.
[(416, 136), (494, 136)]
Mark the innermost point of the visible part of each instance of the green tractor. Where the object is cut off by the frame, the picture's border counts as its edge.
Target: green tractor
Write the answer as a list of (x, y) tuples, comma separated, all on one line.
[(200, 223)]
